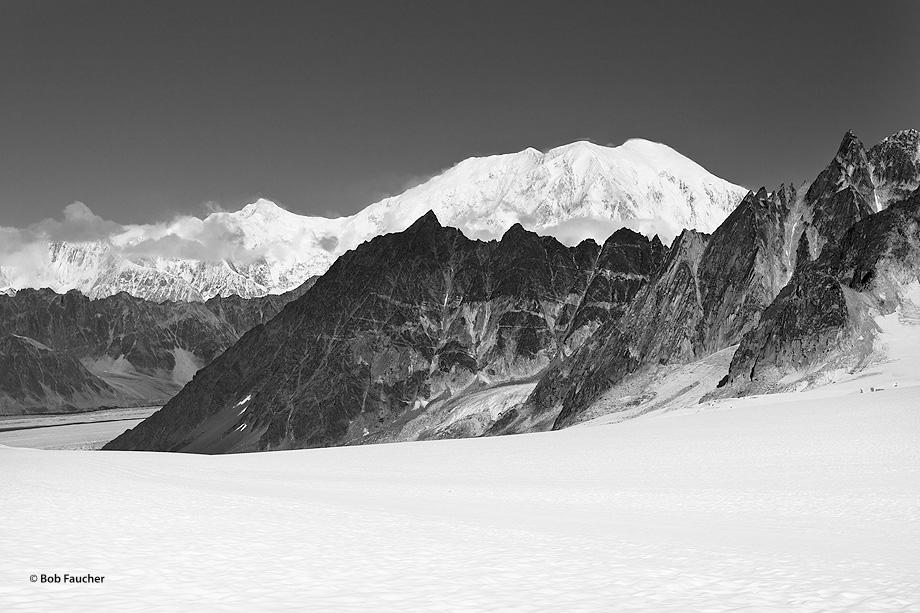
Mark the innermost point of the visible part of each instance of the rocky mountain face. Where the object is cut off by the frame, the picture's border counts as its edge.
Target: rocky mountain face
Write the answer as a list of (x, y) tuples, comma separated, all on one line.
[(842, 194), (427, 334), (574, 192), (895, 166), (36, 378), (393, 338), (824, 315), (711, 290), (142, 351)]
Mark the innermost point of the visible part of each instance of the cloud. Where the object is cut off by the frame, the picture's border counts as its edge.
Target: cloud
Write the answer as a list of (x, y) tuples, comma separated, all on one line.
[(212, 239), (413, 181), (213, 207), (25, 253), (573, 231), (170, 246), (398, 184), (80, 224), (22, 254)]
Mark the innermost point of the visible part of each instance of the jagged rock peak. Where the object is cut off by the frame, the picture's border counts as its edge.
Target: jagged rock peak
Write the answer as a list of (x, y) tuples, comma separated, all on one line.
[(752, 197), (427, 221), (822, 319), (689, 237), (587, 243), (686, 247), (849, 168), (905, 139), (518, 232), (626, 235), (850, 147), (786, 192), (896, 166)]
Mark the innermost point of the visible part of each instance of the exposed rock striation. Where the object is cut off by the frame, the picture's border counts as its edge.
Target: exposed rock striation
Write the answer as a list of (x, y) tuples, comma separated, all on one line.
[(825, 312), (144, 350), (710, 291), (396, 333), (35, 378), (427, 334), (896, 167)]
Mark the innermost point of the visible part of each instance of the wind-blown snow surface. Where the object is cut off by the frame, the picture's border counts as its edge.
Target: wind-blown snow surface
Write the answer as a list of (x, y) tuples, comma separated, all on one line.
[(797, 505), (573, 192)]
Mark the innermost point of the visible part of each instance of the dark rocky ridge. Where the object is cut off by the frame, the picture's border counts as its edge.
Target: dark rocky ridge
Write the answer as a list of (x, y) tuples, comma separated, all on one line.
[(36, 378), (825, 311), (840, 196), (144, 350), (710, 291), (394, 330)]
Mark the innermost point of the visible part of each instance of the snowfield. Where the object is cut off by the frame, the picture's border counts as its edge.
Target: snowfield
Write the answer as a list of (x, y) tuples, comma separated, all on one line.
[(797, 503)]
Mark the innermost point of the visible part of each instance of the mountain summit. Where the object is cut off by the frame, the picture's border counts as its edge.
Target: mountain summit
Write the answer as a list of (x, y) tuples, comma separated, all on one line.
[(573, 192), (576, 191)]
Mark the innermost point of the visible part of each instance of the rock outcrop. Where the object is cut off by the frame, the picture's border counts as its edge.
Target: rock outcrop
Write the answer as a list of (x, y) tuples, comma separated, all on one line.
[(426, 334), (896, 167), (709, 292), (37, 379), (396, 334), (824, 315), (145, 351)]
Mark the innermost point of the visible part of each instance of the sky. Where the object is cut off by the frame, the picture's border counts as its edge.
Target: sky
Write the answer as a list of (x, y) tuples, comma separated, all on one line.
[(149, 110)]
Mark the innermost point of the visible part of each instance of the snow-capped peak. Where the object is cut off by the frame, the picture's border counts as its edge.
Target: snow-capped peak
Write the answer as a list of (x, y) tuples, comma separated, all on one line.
[(263, 208), (575, 191)]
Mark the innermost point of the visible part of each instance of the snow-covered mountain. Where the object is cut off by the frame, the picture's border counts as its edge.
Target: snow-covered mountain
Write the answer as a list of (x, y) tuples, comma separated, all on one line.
[(644, 185), (573, 192)]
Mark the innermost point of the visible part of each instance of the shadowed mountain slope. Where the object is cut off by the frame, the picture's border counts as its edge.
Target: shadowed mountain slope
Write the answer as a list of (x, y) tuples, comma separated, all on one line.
[(35, 378), (710, 291), (145, 351), (823, 317), (395, 333)]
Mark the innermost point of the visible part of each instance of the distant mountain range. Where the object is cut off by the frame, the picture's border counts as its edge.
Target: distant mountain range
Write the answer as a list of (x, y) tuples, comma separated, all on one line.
[(427, 334), (573, 192), (61, 353)]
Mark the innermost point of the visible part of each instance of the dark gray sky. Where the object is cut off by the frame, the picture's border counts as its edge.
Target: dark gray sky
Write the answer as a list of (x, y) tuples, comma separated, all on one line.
[(145, 110)]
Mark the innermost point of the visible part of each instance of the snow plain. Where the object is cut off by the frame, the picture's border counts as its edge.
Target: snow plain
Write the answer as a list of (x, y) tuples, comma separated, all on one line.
[(800, 504)]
